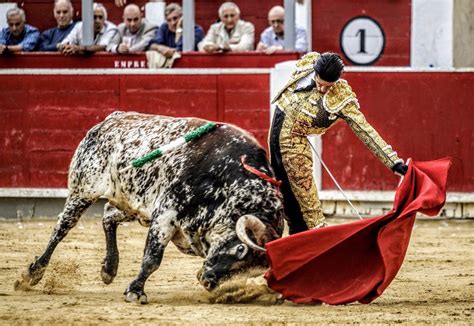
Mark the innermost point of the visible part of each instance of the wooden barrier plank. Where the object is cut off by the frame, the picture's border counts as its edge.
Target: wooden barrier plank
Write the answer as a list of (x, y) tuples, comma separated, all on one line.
[(138, 60), (424, 115)]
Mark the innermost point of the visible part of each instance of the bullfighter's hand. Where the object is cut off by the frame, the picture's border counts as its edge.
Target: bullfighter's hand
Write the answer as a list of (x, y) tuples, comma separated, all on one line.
[(400, 169)]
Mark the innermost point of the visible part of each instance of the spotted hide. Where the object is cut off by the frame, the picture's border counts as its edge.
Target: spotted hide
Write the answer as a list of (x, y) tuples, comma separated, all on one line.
[(193, 196)]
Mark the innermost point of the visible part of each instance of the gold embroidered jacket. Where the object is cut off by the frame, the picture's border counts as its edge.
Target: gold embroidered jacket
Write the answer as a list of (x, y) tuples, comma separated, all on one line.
[(310, 112)]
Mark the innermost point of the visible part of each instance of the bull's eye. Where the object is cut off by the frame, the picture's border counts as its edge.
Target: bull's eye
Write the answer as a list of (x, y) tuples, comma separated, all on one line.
[(241, 251)]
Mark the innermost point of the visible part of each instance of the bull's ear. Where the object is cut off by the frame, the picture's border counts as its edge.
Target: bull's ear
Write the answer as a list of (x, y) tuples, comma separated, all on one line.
[(257, 228)]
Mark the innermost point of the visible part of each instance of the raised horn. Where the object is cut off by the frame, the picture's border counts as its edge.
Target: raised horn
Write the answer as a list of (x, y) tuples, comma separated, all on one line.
[(253, 224)]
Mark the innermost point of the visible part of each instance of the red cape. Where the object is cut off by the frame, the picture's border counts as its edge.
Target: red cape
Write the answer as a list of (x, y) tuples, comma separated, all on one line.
[(356, 261)]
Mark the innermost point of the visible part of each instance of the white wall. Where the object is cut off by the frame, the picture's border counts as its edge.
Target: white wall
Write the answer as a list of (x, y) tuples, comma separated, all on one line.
[(303, 18), (155, 12), (4, 7), (463, 31), (432, 34)]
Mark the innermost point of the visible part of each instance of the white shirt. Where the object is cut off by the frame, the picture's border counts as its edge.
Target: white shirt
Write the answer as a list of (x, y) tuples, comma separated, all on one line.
[(102, 38), (241, 37)]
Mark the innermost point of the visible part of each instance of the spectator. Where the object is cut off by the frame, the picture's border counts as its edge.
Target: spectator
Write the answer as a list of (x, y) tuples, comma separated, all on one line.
[(135, 33), (50, 39), (230, 34), (169, 38), (18, 36), (104, 31), (272, 38)]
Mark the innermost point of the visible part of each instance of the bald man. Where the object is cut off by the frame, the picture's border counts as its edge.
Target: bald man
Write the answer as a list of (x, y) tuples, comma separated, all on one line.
[(135, 33), (272, 39), (63, 13)]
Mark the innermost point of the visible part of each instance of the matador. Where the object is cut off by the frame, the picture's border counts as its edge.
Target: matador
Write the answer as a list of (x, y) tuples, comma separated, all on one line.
[(314, 100)]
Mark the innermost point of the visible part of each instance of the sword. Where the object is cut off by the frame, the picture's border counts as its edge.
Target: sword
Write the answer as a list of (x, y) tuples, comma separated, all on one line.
[(334, 179)]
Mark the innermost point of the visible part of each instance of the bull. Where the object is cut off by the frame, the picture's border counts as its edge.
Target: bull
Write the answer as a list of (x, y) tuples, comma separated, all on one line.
[(198, 196)]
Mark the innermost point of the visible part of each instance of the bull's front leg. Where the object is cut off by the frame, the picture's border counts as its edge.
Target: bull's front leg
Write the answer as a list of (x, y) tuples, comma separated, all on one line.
[(160, 233)]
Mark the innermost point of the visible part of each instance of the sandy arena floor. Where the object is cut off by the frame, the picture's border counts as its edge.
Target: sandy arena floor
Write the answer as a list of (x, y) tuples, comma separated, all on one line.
[(435, 284)]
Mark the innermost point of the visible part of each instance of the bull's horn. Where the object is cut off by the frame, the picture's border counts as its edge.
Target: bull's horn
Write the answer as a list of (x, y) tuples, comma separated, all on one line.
[(253, 224)]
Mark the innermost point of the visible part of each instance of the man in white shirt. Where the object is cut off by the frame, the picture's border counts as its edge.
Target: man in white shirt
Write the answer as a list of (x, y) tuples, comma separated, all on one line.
[(104, 31), (230, 34)]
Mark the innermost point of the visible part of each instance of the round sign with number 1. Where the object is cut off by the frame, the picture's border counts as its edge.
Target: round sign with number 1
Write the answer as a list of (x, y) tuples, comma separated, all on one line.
[(362, 40)]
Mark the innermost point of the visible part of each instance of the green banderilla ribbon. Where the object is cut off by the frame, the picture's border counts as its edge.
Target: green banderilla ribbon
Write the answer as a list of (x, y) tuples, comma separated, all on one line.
[(190, 136)]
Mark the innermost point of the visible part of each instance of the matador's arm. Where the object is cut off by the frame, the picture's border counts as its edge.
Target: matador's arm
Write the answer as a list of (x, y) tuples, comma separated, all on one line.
[(369, 136), (343, 102)]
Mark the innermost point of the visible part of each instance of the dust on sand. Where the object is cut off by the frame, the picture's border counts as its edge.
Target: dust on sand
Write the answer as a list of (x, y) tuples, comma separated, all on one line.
[(247, 286), (61, 277), (435, 284)]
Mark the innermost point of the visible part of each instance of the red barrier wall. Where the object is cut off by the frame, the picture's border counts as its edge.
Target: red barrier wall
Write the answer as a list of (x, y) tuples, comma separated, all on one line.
[(45, 116), (424, 115)]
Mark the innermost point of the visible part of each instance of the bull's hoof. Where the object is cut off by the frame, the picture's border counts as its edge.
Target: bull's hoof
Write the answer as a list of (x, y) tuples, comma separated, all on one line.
[(107, 278), (33, 274), (30, 277), (135, 297), (109, 268)]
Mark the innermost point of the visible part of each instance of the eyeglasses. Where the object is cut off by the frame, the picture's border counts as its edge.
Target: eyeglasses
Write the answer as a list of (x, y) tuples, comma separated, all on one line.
[(276, 21), (98, 17)]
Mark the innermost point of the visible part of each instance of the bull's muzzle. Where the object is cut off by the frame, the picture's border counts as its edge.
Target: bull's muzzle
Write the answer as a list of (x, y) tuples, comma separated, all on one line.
[(208, 280)]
